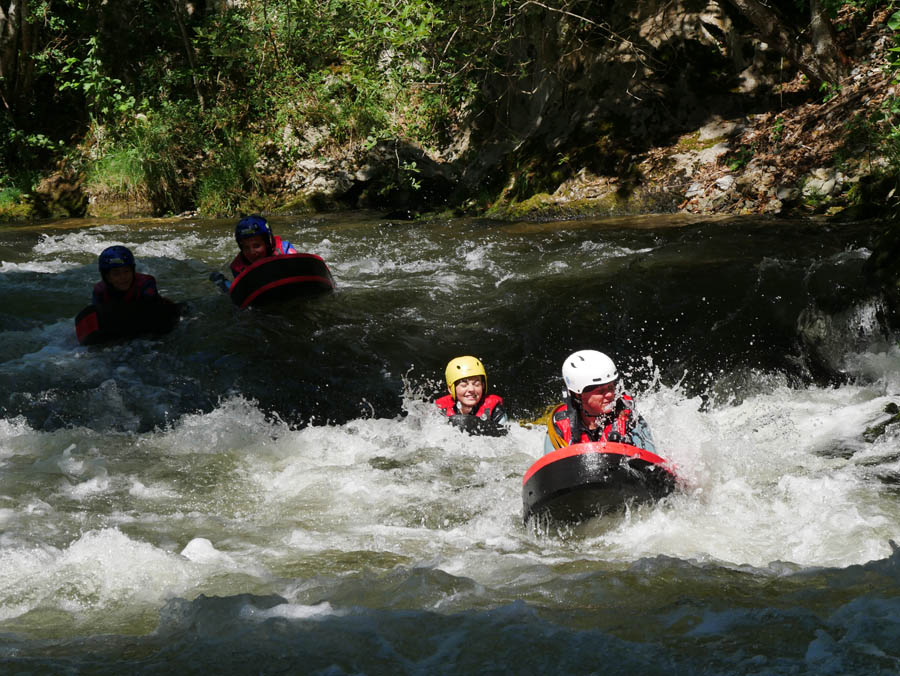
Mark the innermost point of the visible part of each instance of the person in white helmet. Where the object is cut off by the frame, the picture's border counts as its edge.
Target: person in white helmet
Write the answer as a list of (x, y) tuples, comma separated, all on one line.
[(593, 408)]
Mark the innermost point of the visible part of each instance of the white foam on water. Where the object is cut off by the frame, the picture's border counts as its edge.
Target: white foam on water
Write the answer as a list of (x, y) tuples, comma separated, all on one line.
[(97, 571), (90, 240), (236, 423), (50, 266), (201, 550), (781, 475), (152, 492), (765, 480), (290, 611), (15, 436), (759, 484)]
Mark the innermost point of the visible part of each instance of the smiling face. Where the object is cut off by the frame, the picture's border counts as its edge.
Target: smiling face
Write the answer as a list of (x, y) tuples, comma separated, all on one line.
[(120, 279), (253, 247), (597, 401), (468, 393)]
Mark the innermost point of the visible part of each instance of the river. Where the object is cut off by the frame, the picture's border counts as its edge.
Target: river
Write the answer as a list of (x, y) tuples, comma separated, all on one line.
[(272, 491)]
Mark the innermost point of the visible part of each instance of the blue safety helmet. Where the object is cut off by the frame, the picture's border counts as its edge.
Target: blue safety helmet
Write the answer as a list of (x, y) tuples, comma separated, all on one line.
[(117, 256), (249, 226)]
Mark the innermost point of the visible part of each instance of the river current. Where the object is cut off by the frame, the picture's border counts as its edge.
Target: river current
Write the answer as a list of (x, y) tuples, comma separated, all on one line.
[(272, 491)]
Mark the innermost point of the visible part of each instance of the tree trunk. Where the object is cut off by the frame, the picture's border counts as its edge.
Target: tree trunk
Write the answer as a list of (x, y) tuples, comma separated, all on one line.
[(818, 58), (824, 42), (10, 25), (189, 51), (17, 46)]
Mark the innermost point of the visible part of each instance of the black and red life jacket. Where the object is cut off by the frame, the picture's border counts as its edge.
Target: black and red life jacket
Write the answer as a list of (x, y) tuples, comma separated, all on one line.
[(570, 429), (240, 262), (485, 410), (142, 289)]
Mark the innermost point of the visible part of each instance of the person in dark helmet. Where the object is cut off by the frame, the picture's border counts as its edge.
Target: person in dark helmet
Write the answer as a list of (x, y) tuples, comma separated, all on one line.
[(120, 282), (468, 405), (594, 408), (256, 240), (125, 304)]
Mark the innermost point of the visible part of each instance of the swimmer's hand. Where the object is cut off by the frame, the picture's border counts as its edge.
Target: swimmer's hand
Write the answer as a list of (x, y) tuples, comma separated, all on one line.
[(477, 426), (219, 280)]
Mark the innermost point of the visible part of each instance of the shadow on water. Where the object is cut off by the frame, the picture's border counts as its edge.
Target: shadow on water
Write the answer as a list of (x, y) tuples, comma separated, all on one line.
[(421, 620)]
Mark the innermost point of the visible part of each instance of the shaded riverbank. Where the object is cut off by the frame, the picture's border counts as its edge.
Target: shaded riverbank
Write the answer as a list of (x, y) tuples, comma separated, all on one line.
[(726, 133)]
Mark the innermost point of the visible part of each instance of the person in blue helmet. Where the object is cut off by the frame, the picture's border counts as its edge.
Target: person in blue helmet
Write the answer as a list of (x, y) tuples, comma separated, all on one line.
[(125, 304), (256, 240), (120, 282)]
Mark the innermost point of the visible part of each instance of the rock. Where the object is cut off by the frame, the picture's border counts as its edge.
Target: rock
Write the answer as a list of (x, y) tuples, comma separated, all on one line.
[(61, 194), (773, 207), (694, 190), (875, 431), (725, 182), (784, 192), (882, 271), (712, 155), (719, 128)]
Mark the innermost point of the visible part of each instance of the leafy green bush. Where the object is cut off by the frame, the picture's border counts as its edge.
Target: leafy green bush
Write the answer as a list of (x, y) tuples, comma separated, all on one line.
[(157, 93), (228, 178)]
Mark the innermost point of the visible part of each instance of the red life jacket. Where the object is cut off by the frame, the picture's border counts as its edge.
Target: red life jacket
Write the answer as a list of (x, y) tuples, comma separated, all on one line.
[(564, 419), (484, 410), (240, 261), (143, 289)]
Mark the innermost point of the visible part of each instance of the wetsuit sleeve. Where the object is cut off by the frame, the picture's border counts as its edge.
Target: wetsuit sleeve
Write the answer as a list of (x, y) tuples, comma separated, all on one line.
[(498, 415), (237, 265), (149, 292), (548, 445), (641, 435), (96, 296)]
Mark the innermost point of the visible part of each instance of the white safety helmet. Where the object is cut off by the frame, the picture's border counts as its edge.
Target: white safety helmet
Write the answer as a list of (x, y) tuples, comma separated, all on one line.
[(588, 367)]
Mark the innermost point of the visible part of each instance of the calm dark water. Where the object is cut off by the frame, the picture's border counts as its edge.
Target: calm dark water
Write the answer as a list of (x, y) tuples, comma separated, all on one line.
[(271, 491)]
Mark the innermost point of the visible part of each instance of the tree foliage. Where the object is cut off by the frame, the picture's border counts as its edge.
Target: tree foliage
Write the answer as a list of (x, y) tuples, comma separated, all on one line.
[(210, 81)]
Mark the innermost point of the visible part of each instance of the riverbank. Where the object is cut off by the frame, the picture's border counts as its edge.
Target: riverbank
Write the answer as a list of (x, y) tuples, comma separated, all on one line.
[(755, 141)]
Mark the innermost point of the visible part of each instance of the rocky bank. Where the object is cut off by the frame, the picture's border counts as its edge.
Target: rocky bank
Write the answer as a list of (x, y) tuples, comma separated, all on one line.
[(608, 128)]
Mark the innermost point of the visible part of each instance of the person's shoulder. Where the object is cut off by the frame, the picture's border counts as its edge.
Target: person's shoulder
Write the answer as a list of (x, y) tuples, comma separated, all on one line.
[(238, 264), (444, 402)]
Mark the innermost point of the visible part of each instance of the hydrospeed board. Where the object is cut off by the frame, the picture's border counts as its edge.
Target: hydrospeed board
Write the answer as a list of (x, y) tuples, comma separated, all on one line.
[(281, 277), (584, 480), (97, 324)]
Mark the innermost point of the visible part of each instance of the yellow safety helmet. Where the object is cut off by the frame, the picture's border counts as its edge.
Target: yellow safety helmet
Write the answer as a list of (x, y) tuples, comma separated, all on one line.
[(463, 367)]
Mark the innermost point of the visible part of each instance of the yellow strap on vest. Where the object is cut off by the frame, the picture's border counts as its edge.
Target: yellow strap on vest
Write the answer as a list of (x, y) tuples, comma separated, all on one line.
[(555, 439)]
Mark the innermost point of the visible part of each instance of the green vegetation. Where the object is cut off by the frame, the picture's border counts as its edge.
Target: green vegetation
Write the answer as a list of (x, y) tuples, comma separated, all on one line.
[(179, 104), (740, 158)]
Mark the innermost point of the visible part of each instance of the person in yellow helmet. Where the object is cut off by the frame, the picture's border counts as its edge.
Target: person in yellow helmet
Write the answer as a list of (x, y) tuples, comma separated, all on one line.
[(467, 384)]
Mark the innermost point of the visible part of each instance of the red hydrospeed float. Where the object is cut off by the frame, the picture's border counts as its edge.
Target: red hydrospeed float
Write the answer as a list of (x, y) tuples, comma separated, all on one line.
[(281, 277), (97, 324), (589, 479)]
